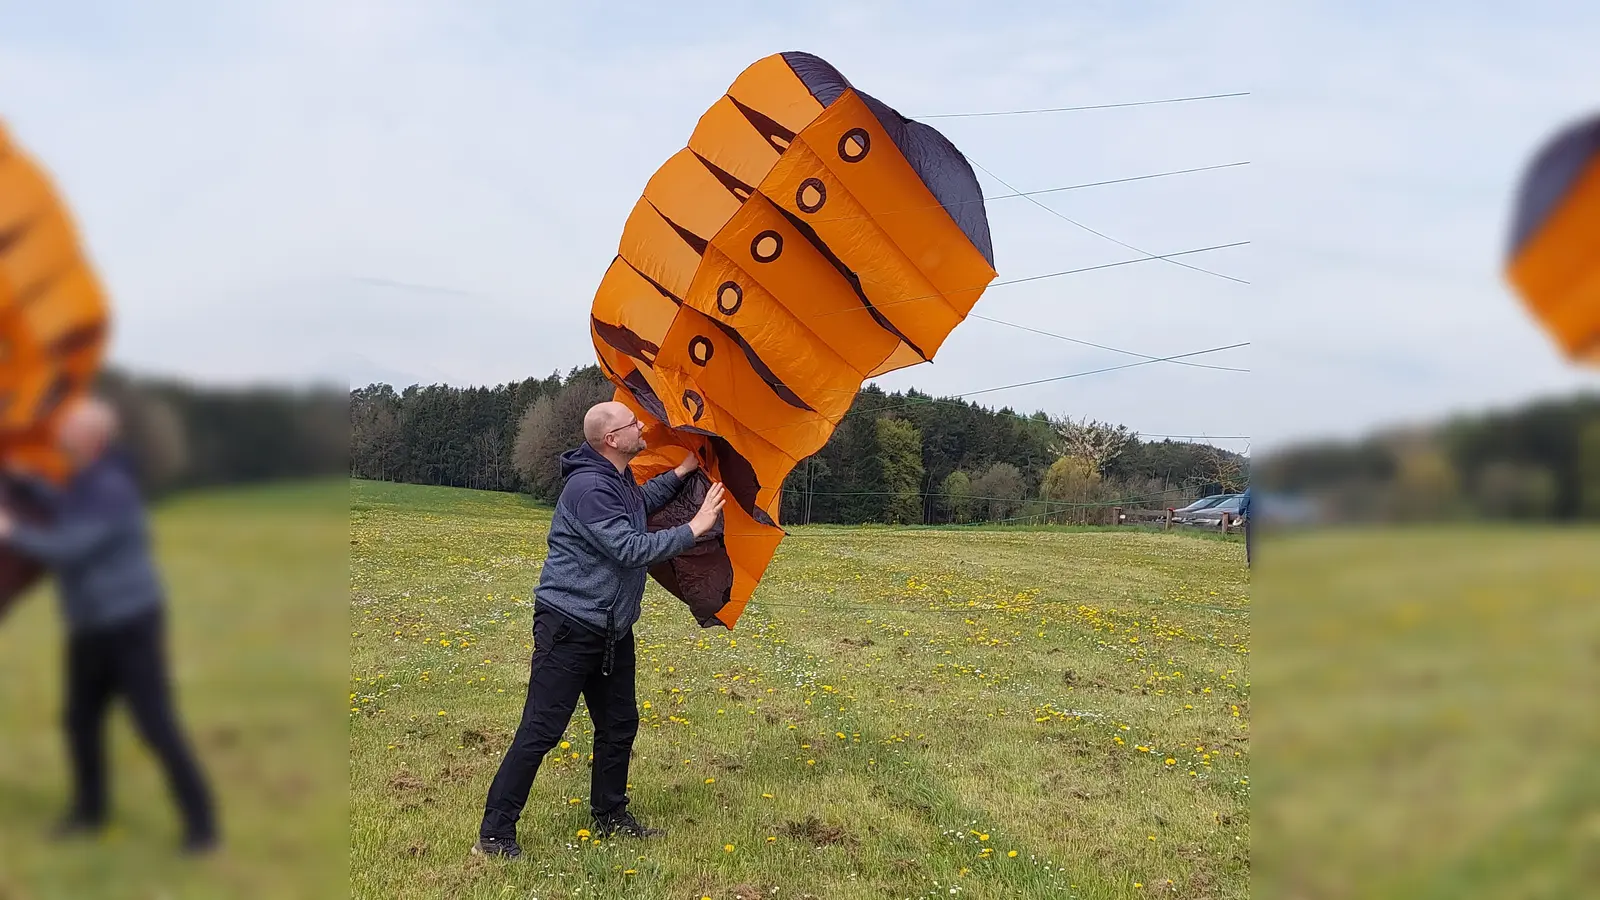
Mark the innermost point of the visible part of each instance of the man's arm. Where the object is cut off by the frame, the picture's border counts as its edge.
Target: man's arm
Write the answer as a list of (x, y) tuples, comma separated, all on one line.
[(70, 537), (660, 490), (604, 517), (64, 544), (34, 489)]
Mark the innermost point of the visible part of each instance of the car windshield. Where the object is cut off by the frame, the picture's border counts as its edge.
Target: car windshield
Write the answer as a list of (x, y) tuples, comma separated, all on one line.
[(1205, 503)]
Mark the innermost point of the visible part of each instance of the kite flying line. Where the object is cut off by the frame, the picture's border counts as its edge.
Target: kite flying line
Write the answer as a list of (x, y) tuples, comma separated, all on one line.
[(1056, 109)]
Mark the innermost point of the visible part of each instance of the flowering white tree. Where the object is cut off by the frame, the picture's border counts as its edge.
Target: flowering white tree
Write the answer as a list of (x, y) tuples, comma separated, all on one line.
[(1097, 442)]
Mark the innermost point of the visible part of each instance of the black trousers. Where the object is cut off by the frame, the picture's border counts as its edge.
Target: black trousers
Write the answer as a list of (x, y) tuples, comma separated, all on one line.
[(130, 660), (567, 661)]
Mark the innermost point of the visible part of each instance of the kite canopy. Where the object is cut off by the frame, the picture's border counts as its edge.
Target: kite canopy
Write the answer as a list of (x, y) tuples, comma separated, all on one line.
[(1554, 258), (53, 325), (808, 237)]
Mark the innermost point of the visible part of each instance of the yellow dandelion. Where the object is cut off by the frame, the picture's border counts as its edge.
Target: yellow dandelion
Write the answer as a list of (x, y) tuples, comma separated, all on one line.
[(583, 834), (1012, 854), (727, 848), (566, 746), (711, 781)]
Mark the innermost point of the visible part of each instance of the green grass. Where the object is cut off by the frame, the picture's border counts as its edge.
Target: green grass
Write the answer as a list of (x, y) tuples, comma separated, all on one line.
[(995, 690), (1430, 727), (259, 652)]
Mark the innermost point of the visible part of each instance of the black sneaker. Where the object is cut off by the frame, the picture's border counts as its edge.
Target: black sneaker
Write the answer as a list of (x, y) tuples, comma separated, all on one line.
[(200, 844), (623, 822), (497, 846), (76, 826)]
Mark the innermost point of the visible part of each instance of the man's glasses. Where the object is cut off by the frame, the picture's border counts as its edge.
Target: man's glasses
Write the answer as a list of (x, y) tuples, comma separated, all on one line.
[(626, 427)]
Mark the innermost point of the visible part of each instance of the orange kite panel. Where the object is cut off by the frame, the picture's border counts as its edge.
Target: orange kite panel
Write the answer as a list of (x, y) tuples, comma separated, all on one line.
[(807, 238)]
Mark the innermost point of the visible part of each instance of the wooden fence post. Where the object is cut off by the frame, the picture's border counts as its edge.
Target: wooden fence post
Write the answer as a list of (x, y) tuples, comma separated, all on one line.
[(1166, 520), (1116, 515)]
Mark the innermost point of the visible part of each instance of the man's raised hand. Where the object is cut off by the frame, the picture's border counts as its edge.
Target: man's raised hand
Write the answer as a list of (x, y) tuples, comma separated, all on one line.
[(710, 509), (688, 465)]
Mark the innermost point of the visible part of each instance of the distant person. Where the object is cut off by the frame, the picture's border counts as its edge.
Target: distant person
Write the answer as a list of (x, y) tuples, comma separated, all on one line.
[(1249, 527), (94, 540), (589, 597)]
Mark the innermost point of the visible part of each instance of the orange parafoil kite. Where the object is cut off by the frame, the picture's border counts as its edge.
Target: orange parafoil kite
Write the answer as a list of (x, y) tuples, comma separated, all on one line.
[(53, 325), (808, 237), (1554, 260)]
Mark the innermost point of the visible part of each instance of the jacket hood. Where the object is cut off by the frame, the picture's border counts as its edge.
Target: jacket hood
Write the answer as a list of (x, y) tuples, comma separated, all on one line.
[(585, 458)]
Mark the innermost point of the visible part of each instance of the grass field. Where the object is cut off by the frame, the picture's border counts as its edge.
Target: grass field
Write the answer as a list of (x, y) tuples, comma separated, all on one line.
[(1427, 721), (255, 579), (900, 713)]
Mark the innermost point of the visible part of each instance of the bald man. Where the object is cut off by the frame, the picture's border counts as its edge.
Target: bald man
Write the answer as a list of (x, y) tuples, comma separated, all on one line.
[(95, 543), (589, 597)]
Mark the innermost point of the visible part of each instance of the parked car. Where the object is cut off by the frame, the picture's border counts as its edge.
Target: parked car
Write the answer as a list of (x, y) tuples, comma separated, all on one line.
[(1212, 515), (1202, 503)]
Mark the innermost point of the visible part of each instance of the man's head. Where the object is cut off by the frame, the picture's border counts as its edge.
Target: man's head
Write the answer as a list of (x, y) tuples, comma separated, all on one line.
[(86, 426), (612, 429)]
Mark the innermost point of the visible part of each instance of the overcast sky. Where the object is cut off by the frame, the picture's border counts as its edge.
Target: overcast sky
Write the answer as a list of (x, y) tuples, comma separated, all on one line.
[(430, 192)]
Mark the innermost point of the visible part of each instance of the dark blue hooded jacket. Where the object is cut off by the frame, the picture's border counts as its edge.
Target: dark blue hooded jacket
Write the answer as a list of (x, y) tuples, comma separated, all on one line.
[(96, 542), (600, 548)]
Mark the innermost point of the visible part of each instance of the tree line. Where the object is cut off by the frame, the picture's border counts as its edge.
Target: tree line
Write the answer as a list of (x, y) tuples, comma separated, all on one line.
[(1537, 461), (901, 457), (184, 435)]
